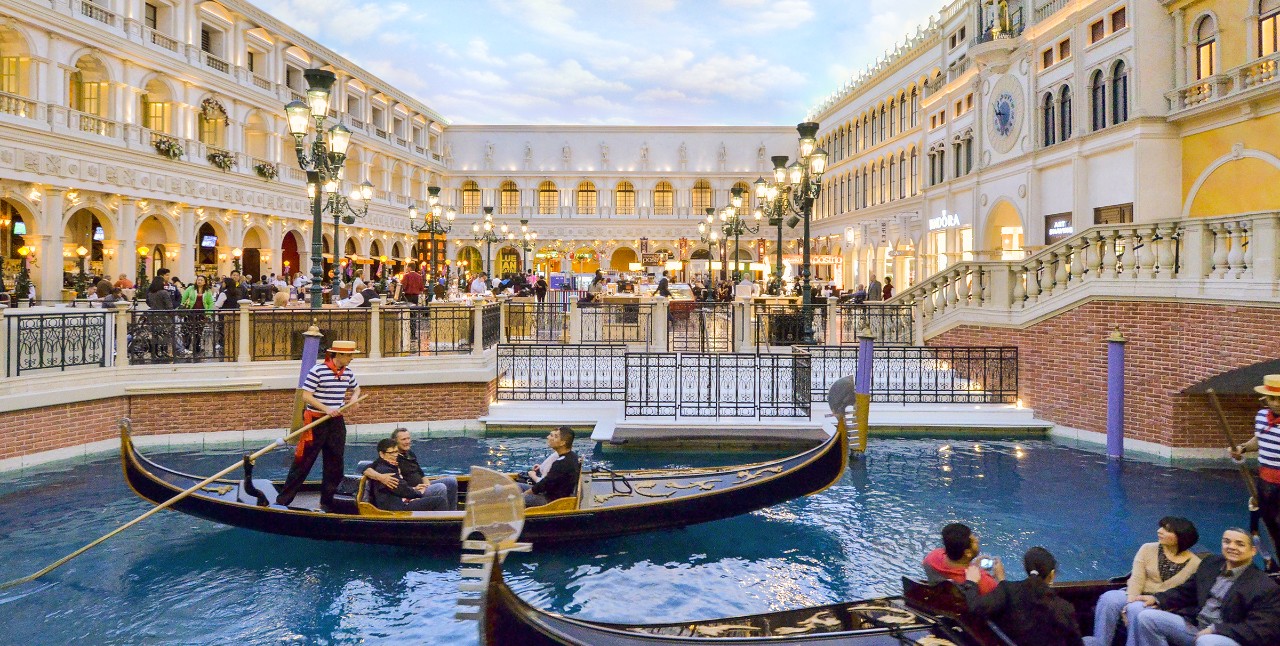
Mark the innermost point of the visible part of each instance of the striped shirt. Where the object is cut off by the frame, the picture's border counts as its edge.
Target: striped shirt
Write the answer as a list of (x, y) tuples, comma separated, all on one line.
[(331, 389), (1266, 426)]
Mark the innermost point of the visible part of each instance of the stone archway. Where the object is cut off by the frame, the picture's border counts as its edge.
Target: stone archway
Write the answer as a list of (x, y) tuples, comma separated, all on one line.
[(1004, 232)]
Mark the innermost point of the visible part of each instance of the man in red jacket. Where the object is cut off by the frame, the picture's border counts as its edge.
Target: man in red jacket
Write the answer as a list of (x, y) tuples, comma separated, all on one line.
[(412, 284), (959, 549)]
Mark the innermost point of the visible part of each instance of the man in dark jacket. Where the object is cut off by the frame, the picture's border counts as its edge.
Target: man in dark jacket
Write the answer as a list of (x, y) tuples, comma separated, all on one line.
[(1227, 602), (441, 495), (557, 476)]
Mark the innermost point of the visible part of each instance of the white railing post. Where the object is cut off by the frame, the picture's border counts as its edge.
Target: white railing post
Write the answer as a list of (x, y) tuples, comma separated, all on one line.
[(503, 313), (244, 355), (375, 329), (477, 328), (1264, 246), (1002, 285), (833, 325), (1196, 251), (658, 327), (575, 323), (122, 333)]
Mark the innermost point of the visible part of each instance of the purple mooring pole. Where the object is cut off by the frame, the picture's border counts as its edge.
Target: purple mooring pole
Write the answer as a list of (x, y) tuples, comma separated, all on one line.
[(310, 355), (862, 387), (1115, 395)]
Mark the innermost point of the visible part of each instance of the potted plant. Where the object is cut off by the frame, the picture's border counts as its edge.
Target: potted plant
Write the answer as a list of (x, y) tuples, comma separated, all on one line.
[(224, 160), (266, 170), (168, 146)]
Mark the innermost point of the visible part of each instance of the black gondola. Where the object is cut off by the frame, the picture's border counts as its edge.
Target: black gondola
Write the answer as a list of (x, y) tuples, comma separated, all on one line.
[(607, 504)]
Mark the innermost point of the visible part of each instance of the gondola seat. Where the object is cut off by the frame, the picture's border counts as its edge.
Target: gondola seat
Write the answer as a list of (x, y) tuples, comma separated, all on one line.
[(568, 503), (365, 507), (945, 599)]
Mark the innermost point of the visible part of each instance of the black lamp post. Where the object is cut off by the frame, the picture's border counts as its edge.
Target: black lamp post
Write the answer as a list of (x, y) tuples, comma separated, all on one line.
[(323, 164), (486, 232), (432, 225), (771, 206), (709, 234), (795, 188), (22, 288), (526, 241), (734, 225), (82, 280)]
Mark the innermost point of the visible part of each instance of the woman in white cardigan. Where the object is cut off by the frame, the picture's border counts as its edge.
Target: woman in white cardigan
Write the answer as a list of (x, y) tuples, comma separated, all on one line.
[(1157, 567)]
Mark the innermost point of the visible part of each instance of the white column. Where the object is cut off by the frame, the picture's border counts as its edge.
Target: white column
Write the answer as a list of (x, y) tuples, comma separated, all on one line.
[(49, 283), (186, 265)]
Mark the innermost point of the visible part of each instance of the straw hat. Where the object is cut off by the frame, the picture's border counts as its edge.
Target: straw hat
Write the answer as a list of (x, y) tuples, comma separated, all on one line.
[(1270, 386), (343, 347)]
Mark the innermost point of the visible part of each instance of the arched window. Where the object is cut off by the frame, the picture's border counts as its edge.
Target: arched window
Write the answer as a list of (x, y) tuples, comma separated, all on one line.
[(1119, 93), (1206, 47), (866, 133), (156, 107), (893, 109), (902, 112), (1268, 21), (902, 175), (1050, 128), (915, 171), (1098, 101), (586, 197), (873, 128), (882, 124), (663, 199), (548, 198), (701, 196), (871, 199), (857, 133), (881, 196), (88, 90), (212, 124), (915, 105), (1064, 113), (857, 189), (624, 198), (893, 179), (470, 197), (508, 198)]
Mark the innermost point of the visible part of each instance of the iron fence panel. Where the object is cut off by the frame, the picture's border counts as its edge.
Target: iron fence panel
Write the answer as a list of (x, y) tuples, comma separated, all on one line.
[(183, 336), (617, 323), (278, 334), (587, 372), (783, 325), (652, 387), (694, 326), (887, 323), (537, 323), (490, 324), (925, 374), (433, 329), (785, 389), (58, 341), (718, 385)]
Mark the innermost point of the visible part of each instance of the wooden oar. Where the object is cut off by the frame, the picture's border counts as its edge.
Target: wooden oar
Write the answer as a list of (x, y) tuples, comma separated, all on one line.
[(168, 503), (1254, 514)]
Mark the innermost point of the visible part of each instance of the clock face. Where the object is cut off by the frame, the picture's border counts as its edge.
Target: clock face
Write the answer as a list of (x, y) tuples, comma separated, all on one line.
[(1003, 111)]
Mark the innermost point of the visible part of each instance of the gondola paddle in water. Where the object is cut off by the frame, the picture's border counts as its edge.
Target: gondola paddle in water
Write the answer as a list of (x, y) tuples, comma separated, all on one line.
[(168, 503)]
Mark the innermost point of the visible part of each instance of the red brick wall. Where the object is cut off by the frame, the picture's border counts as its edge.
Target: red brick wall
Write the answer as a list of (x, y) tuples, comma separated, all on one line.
[(1063, 365), (53, 427)]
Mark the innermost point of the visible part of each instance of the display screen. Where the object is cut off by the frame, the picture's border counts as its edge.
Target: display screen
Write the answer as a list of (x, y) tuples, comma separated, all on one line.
[(98, 234), (209, 242)]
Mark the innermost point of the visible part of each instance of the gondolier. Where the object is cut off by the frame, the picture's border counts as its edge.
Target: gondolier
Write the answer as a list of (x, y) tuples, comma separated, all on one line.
[(326, 388), (1266, 440)]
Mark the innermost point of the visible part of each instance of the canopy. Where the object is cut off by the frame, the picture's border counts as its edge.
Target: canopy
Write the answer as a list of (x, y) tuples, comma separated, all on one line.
[(1240, 381)]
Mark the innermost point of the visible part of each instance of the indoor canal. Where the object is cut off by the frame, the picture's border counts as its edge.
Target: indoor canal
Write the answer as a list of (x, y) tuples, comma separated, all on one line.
[(176, 579)]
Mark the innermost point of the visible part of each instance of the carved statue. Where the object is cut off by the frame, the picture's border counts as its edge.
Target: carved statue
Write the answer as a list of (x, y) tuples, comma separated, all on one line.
[(488, 152), (644, 153), (684, 152), (528, 151), (604, 153), (723, 154)]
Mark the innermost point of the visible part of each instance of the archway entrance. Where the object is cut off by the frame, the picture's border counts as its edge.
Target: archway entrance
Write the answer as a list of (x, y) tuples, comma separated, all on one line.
[(622, 259), (1004, 233)]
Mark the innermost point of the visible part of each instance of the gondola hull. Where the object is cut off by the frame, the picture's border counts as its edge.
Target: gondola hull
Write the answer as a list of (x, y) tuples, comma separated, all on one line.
[(658, 500)]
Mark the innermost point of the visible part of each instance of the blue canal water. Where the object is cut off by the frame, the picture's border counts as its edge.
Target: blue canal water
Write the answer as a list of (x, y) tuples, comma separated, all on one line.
[(180, 580)]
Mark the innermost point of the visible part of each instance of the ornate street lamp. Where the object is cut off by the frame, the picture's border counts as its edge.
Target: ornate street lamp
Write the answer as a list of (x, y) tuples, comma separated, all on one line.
[(794, 189), (485, 231), (432, 225), (526, 241), (82, 280), (775, 209), (140, 285), (235, 259), (734, 225), (22, 288), (323, 164), (710, 235)]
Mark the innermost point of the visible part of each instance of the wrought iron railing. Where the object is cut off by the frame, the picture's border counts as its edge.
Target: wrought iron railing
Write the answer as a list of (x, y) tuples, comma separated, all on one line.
[(437, 329), (617, 323), (565, 296), (277, 334), (887, 323), (706, 384), (587, 372), (694, 326), (783, 325), (183, 336), (58, 341), (537, 322), (490, 324), (924, 374)]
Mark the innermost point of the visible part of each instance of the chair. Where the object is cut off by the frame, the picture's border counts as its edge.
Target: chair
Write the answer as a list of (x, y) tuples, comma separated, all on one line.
[(946, 600)]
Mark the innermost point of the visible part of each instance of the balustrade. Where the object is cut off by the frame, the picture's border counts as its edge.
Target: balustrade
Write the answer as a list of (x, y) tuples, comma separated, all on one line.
[(99, 13), (18, 106)]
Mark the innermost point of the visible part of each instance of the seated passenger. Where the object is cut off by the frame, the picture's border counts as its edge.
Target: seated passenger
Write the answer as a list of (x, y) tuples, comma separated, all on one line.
[(408, 467), (1228, 601), (441, 495), (1159, 566), (951, 561), (557, 476), (1029, 612)]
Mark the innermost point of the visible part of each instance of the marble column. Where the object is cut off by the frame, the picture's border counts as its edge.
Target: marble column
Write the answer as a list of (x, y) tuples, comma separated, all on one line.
[(49, 279)]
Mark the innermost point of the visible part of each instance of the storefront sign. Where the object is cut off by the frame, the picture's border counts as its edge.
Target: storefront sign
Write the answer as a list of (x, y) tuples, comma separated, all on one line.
[(1057, 227), (659, 258), (814, 259), (944, 221)]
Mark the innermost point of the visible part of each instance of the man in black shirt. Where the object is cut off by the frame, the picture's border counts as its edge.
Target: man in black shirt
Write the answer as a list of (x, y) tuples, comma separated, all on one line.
[(441, 495), (557, 476), (408, 467)]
